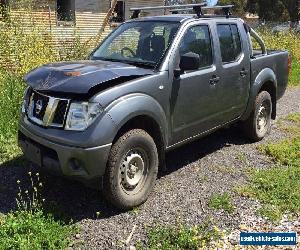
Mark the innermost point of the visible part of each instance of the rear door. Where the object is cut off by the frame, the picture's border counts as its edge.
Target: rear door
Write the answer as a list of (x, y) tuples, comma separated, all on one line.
[(234, 84)]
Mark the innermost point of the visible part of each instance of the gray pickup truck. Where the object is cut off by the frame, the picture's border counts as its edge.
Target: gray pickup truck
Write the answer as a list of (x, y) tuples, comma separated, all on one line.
[(154, 84)]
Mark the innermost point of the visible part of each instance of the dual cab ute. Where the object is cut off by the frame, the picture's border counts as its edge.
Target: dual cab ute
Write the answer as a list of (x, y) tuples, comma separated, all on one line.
[(153, 84)]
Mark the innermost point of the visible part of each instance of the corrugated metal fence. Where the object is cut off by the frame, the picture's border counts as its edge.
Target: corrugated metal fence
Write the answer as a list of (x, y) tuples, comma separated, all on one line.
[(85, 27)]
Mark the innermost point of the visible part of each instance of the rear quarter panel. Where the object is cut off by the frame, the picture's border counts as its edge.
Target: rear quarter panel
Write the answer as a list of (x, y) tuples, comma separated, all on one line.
[(275, 62), (273, 68)]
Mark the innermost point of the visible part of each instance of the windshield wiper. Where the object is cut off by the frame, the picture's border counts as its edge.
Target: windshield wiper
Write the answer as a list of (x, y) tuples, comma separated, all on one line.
[(106, 59), (135, 63), (139, 63)]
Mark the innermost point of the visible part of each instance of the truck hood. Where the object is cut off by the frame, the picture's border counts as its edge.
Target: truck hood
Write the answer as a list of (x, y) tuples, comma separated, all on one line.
[(81, 77)]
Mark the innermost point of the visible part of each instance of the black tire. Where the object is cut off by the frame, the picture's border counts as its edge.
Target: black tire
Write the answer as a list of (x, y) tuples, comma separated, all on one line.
[(133, 156), (258, 125)]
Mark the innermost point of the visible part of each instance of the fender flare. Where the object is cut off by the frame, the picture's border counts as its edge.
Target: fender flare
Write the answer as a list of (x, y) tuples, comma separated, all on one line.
[(267, 75), (130, 106)]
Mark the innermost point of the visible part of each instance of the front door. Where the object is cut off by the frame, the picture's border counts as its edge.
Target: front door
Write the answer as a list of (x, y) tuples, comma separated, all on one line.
[(194, 106)]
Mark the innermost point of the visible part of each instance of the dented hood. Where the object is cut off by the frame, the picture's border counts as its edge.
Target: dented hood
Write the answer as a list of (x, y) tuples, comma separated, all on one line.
[(81, 77)]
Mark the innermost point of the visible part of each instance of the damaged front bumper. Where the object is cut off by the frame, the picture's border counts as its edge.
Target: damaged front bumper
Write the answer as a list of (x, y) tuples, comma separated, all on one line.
[(84, 164)]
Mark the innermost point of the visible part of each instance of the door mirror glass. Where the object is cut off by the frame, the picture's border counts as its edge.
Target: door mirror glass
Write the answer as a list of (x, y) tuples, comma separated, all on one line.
[(189, 61)]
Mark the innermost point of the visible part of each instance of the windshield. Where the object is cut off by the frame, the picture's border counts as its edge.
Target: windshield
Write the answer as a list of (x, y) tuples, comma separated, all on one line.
[(140, 43)]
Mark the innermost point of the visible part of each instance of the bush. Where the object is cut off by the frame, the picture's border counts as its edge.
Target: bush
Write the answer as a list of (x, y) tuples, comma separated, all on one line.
[(11, 91), (286, 41)]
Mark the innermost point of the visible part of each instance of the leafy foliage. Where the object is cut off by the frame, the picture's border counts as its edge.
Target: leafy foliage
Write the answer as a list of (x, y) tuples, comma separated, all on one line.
[(182, 237), (33, 230), (221, 201), (275, 10), (30, 227), (286, 152), (285, 41)]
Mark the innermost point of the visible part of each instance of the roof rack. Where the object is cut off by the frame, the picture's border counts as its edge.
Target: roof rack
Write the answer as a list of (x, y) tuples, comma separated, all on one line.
[(197, 8)]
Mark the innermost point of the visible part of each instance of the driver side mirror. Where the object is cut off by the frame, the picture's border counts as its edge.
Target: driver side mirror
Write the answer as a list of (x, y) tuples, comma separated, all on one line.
[(188, 61)]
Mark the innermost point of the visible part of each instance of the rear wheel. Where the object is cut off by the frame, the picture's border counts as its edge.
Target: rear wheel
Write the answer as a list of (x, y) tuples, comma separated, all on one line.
[(258, 124), (131, 169)]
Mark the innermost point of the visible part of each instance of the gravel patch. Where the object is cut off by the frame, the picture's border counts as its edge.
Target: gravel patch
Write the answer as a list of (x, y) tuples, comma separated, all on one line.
[(214, 164)]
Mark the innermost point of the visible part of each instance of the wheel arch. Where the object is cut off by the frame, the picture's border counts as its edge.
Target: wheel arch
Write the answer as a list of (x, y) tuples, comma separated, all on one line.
[(148, 124), (141, 112), (265, 81)]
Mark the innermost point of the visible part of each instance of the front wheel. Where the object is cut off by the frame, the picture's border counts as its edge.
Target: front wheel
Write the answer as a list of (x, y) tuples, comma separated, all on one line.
[(131, 169), (258, 124)]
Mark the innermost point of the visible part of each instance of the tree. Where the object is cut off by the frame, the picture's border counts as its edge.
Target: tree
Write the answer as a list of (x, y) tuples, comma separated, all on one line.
[(275, 10), (268, 10), (3, 8), (239, 8), (293, 8)]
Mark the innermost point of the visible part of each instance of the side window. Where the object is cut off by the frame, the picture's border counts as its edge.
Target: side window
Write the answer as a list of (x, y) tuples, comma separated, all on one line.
[(230, 42), (236, 41), (197, 40)]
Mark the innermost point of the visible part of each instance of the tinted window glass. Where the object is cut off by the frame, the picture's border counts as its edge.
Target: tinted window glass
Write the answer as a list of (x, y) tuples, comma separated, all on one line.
[(236, 41), (229, 42), (197, 40)]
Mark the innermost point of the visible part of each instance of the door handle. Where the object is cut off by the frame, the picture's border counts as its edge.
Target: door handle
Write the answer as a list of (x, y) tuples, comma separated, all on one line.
[(214, 80), (243, 73)]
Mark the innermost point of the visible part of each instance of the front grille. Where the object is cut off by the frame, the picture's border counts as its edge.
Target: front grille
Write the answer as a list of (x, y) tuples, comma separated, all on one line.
[(46, 110), (61, 111)]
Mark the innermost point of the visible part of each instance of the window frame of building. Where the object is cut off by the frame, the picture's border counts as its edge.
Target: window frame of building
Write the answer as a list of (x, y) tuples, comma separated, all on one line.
[(115, 17), (63, 17)]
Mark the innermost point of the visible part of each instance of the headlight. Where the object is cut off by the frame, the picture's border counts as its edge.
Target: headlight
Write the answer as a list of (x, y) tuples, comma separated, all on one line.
[(81, 115), (25, 100)]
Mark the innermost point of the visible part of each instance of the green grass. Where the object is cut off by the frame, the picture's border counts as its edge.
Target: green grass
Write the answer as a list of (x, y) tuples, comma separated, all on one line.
[(181, 237), (294, 79), (31, 226), (286, 152), (278, 187), (8, 150), (221, 202), (34, 230), (294, 117)]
